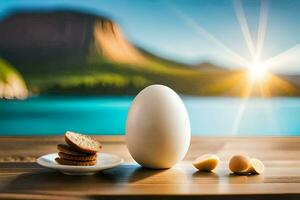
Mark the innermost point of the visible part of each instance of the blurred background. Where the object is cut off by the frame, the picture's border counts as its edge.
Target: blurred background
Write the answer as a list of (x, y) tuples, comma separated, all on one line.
[(77, 65)]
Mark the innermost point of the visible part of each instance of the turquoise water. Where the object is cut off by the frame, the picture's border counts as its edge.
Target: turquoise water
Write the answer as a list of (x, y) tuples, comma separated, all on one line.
[(107, 115)]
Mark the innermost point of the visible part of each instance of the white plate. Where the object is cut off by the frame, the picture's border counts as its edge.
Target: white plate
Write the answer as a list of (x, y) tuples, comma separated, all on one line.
[(104, 161)]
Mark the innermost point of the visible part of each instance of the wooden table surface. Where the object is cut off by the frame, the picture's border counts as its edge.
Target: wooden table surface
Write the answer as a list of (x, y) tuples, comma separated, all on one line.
[(22, 178)]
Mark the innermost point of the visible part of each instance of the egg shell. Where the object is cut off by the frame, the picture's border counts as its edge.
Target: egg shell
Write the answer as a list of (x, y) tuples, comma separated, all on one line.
[(157, 128)]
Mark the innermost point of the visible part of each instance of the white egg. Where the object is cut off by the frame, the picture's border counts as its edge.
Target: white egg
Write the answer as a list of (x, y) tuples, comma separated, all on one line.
[(157, 128)]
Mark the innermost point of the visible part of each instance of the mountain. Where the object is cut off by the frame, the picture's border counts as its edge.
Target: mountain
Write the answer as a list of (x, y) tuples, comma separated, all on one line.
[(62, 40), (71, 52), (295, 79)]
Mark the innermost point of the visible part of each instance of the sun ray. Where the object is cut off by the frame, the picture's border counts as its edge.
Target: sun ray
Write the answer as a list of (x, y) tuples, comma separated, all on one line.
[(241, 17), (283, 58), (262, 27), (241, 110), (257, 69), (202, 31), (265, 92)]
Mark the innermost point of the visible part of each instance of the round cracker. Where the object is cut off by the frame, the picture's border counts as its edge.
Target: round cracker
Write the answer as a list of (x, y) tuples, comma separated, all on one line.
[(64, 148), (75, 163), (82, 143), (77, 158)]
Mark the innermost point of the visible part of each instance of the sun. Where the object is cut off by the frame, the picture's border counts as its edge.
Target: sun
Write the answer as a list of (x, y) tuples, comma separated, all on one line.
[(257, 71)]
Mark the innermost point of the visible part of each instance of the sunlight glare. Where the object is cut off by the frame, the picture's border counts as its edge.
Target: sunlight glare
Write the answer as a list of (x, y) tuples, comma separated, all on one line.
[(257, 71)]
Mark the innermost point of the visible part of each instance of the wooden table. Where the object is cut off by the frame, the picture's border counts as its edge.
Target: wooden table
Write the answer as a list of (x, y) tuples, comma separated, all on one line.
[(22, 178)]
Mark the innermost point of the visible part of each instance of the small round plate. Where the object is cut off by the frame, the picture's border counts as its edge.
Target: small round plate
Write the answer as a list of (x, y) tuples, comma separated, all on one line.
[(104, 161)]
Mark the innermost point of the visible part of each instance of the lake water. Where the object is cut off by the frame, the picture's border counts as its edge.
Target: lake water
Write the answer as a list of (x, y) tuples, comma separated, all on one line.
[(107, 115)]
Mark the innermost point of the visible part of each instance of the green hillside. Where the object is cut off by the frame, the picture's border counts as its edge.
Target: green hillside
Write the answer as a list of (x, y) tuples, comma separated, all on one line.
[(104, 77), (12, 84)]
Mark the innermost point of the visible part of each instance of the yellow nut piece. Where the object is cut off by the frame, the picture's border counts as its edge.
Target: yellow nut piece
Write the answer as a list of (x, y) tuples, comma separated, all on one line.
[(243, 165), (239, 164), (257, 167), (207, 162)]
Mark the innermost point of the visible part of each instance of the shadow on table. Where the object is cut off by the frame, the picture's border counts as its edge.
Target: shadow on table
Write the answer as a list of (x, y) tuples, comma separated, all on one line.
[(45, 179), (223, 176), (142, 173), (50, 180), (245, 179)]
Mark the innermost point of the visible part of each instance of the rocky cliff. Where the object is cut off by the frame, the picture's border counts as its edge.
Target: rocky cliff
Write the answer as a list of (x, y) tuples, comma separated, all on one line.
[(48, 41)]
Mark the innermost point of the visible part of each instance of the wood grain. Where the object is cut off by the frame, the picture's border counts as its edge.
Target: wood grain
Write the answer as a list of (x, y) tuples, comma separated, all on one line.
[(22, 178)]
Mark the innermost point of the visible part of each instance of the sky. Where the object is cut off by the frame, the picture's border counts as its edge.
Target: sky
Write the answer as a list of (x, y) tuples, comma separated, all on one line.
[(195, 31)]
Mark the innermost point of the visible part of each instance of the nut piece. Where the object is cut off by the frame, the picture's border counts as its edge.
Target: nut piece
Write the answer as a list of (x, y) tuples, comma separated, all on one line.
[(257, 167), (239, 164), (207, 162)]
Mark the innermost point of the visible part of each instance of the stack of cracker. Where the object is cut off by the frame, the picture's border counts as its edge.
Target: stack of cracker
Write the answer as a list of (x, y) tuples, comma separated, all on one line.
[(80, 150)]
